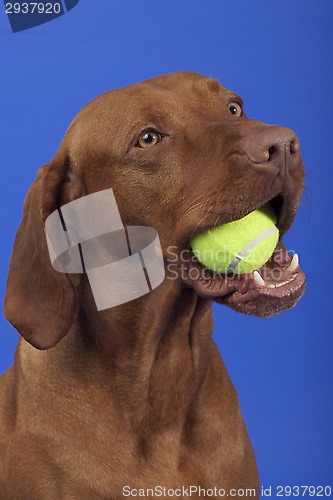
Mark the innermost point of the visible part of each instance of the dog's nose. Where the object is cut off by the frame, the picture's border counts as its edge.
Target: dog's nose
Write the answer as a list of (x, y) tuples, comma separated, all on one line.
[(274, 146)]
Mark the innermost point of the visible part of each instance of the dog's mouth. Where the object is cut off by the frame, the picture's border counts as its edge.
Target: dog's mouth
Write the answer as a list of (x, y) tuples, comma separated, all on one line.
[(276, 286)]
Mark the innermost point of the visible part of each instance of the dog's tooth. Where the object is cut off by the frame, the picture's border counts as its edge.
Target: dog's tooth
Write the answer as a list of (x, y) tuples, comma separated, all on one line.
[(258, 279), (294, 263)]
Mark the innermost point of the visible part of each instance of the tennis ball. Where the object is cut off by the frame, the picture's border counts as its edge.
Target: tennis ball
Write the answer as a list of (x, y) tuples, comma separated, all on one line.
[(240, 246)]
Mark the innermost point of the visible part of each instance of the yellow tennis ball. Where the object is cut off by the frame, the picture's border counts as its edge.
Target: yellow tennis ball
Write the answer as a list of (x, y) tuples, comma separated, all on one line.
[(240, 246)]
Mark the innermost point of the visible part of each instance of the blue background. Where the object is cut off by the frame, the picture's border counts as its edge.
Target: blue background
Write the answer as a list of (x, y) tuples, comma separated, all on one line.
[(278, 57)]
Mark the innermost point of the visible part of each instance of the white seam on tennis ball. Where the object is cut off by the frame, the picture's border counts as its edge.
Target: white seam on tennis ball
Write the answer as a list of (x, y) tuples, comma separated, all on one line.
[(243, 253)]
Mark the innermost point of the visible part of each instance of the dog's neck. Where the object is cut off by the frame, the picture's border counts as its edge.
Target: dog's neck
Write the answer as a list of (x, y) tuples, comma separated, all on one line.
[(149, 369), (157, 356)]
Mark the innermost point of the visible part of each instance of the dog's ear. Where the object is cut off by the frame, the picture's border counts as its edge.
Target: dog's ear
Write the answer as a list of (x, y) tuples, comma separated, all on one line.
[(40, 302)]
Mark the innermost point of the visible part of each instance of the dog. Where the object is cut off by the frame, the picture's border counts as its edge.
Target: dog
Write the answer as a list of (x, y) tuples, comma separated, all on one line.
[(102, 404)]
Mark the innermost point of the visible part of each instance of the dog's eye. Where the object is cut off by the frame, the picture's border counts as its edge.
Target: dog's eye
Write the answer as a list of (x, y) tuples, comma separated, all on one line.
[(235, 108), (149, 139)]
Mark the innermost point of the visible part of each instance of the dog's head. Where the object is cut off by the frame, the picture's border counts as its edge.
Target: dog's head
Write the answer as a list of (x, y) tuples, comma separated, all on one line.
[(181, 156)]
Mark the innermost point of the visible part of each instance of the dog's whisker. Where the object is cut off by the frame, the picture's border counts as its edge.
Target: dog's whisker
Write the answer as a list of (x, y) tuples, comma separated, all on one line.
[(196, 206), (218, 216), (208, 200), (193, 206), (191, 209), (203, 219)]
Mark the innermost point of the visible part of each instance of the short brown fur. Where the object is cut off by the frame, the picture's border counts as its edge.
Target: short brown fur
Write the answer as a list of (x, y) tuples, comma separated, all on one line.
[(135, 395)]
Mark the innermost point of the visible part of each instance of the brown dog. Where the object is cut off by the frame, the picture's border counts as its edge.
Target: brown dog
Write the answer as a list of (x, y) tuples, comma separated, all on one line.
[(137, 396)]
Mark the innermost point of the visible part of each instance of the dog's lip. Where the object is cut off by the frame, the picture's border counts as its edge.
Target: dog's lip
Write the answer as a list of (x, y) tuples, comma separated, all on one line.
[(284, 216), (237, 291)]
